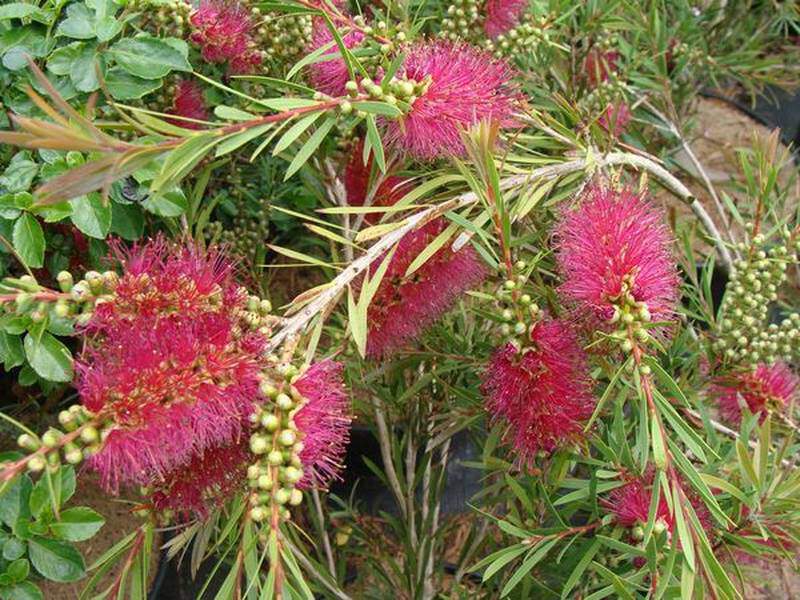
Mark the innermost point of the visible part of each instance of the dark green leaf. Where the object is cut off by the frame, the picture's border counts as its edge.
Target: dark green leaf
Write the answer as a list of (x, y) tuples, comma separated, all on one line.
[(49, 358), (25, 590), (83, 71), (124, 86), (77, 524), (19, 173), (57, 561), (148, 57), (91, 216), (28, 239), (127, 221), (13, 548), (79, 23)]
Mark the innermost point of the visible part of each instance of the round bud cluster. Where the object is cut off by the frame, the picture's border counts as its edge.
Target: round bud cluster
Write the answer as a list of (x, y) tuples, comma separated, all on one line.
[(632, 319), (693, 55), (163, 17), (398, 91), (255, 316), (41, 304), (524, 38), (78, 440), (386, 37), (95, 288), (744, 335), (250, 228), (463, 21), (281, 38), (518, 312), (275, 440)]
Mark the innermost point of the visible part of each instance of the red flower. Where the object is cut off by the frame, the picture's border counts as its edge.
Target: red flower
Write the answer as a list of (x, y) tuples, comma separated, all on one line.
[(465, 85), (615, 118), (223, 31), (167, 366), (599, 65), (356, 180), (613, 245), (544, 392), (330, 76), (630, 504), (404, 305), (189, 103), (503, 15), (769, 387), (323, 421), (205, 482)]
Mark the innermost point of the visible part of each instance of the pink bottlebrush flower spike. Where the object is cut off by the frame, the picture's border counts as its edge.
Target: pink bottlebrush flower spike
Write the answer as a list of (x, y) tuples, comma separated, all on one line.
[(769, 387), (630, 504), (615, 243), (465, 85), (404, 305), (223, 31), (189, 103), (543, 392), (323, 422), (205, 482), (167, 367), (502, 15), (356, 181), (599, 66), (330, 76), (616, 118)]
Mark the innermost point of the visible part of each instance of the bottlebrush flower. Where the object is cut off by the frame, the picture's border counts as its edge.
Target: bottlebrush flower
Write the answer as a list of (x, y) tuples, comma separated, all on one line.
[(615, 243), (167, 366), (166, 280), (404, 305), (323, 421), (630, 504), (769, 387), (330, 76), (615, 118), (465, 85), (599, 66), (169, 390), (223, 31), (503, 15), (205, 482), (356, 181), (189, 103), (544, 391)]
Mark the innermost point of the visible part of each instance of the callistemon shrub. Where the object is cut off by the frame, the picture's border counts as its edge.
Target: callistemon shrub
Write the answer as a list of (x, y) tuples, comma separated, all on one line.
[(413, 300)]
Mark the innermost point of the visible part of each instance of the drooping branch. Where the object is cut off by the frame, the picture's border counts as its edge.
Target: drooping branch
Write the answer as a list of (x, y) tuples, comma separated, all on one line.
[(330, 294)]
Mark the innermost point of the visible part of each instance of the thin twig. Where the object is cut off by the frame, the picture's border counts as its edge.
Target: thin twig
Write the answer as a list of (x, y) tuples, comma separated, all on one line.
[(326, 542), (386, 454)]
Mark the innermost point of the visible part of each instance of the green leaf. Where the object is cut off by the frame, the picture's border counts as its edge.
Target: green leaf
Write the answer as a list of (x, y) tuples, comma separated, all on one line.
[(310, 146), (124, 86), (11, 352), (378, 108), (24, 590), (28, 239), (91, 216), (79, 23), (127, 221), (148, 57), (14, 500), (49, 358), (500, 559), (527, 565), (14, 548), (77, 524), (19, 173), (83, 71), (61, 59), (57, 561), (17, 10), (168, 204), (294, 132), (580, 568), (107, 28), (18, 570)]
